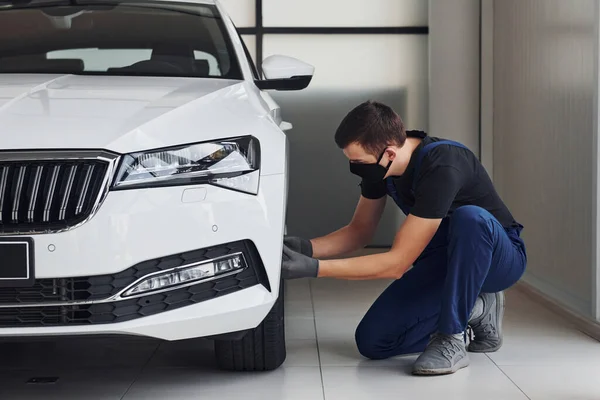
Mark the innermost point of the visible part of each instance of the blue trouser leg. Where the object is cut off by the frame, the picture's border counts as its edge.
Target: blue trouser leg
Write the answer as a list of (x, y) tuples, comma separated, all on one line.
[(471, 254), (406, 313), (482, 257)]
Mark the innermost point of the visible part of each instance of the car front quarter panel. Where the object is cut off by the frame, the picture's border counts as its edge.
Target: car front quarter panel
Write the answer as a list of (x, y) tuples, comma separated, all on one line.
[(213, 117)]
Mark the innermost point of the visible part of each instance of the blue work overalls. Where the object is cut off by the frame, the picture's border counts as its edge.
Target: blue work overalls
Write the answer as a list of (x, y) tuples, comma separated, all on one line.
[(471, 253)]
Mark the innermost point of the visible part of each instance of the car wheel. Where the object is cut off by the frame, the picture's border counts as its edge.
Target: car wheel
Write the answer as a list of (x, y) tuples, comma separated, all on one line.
[(261, 349)]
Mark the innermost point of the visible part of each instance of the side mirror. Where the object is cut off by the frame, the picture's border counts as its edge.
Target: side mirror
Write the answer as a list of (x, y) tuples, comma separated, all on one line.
[(285, 73)]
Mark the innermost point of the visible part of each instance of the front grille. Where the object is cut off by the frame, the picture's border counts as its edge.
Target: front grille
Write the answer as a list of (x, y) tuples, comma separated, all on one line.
[(47, 195), (51, 291), (96, 288)]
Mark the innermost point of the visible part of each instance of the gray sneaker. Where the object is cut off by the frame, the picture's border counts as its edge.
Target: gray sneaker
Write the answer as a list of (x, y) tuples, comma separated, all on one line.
[(445, 354), (487, 328)]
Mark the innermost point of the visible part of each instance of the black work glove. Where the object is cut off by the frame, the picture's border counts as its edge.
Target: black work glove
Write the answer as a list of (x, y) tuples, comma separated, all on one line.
[(299, 245), (296, 265)]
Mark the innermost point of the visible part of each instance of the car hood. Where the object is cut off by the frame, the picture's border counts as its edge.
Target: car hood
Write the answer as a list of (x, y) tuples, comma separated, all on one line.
[(122, 114)]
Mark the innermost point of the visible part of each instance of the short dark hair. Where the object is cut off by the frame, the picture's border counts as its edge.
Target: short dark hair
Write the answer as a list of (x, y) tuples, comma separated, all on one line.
[(373, 125)]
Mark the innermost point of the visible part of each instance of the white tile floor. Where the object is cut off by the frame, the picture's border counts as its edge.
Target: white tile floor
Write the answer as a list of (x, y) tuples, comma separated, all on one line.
[(543, 358)]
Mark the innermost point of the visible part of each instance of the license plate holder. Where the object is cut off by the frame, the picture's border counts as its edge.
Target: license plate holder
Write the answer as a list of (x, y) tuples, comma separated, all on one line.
[(16, 262)]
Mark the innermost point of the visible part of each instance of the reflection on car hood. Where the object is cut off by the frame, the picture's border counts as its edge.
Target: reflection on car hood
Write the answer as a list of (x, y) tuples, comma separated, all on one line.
[(122, 114)]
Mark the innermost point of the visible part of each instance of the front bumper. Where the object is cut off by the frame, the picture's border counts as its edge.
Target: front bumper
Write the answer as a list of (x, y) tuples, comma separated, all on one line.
[(232, 313), (138, 227)]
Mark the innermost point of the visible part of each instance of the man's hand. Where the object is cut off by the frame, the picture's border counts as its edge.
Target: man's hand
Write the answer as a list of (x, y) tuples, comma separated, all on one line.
[(299, 245), (296, 265)]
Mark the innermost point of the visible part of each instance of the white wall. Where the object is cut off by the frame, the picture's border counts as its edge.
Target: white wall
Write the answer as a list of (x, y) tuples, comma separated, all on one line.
[(544, 120), (242, 12), (454, 54), (344, 13)]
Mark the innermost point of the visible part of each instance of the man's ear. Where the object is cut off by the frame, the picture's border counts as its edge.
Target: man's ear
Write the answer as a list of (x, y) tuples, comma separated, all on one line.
[(391, 153)]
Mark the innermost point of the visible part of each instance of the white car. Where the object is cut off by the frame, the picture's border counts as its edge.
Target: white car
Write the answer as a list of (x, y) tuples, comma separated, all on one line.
[(143, 176)]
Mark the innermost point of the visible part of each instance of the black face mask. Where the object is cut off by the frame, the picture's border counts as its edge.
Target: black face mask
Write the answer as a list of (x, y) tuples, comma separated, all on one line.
[(371, 172)]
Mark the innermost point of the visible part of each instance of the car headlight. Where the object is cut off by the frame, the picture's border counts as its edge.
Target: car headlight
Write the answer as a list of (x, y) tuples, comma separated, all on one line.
[(231, 163)]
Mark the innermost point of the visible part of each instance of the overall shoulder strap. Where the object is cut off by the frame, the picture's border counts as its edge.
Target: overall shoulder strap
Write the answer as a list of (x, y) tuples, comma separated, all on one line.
[(423, 152)]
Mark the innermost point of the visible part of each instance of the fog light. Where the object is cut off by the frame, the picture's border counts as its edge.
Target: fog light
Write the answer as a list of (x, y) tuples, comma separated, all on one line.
[(188, 274)]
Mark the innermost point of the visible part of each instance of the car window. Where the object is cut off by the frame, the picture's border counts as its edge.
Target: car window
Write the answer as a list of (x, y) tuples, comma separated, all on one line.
[(101, 60), (213, 66), (133, 38)]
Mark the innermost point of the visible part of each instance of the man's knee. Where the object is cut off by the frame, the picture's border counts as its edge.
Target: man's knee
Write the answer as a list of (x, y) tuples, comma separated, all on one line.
[(372, 345), (469, 213), (367, 343), (469, 219)]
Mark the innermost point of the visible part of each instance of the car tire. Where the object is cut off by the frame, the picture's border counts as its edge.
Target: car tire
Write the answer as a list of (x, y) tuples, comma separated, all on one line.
[(261, 349)]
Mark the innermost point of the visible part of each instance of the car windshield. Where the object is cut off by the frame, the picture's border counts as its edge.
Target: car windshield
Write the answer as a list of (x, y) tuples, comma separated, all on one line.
[(147, 38)]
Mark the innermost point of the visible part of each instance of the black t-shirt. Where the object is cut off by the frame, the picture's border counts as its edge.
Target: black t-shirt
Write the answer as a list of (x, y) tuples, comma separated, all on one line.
[(448, 177)]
